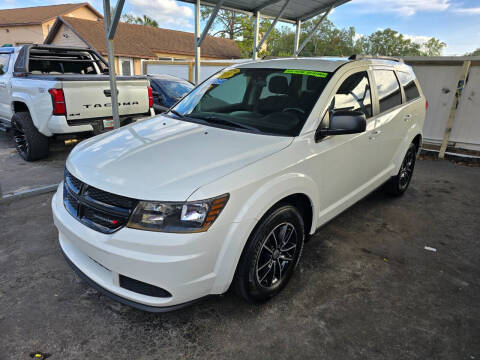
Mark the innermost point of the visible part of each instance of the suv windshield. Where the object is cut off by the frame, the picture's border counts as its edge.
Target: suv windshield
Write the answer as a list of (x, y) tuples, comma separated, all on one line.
[(270, 101)]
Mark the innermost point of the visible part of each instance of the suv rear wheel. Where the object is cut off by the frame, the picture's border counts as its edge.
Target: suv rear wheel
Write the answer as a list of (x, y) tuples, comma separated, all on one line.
[(30, 143), (270, 255), (398, 184)]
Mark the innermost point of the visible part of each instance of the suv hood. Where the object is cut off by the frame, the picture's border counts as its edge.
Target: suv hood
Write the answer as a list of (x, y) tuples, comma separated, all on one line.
[(166, 159)]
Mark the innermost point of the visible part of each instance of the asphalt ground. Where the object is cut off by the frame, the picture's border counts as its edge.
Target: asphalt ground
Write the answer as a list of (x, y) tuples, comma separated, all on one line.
[(365, 288)]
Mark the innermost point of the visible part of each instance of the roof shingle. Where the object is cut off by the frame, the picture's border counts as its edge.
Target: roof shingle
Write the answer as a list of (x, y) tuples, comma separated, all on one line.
[(38, 14), (144, 41)]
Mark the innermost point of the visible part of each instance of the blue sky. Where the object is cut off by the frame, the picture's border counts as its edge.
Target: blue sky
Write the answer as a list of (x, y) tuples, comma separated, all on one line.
[(457, 22)]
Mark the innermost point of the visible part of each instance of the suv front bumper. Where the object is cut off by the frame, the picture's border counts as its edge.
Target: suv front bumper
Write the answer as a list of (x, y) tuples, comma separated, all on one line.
[(181, 264)]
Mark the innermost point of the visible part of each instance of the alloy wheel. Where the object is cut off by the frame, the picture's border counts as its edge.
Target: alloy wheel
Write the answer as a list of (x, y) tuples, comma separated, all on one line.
[(21, 141), (406, 169), (277, 255)]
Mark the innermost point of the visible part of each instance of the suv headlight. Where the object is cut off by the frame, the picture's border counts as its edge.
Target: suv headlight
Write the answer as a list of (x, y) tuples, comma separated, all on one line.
[(181, 217)]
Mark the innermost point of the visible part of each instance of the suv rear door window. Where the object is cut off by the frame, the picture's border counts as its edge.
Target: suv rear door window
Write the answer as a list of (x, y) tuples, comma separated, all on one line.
[(388, 89), (409, 87), (354, 94)]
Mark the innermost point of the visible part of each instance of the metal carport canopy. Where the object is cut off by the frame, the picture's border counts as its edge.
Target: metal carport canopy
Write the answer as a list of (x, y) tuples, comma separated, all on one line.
[(291, 11), (301, 10)]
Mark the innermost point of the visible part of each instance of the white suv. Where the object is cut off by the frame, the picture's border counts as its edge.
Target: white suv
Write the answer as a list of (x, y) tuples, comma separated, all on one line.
[(225, 188)]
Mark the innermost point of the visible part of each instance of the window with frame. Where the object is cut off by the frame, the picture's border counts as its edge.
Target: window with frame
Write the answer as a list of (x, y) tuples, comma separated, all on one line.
[(409, 87), (354, 94), (388, 89)]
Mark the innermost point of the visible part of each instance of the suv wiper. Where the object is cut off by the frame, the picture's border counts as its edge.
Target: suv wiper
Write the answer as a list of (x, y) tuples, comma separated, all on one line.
[(213, 119), (175, 112)]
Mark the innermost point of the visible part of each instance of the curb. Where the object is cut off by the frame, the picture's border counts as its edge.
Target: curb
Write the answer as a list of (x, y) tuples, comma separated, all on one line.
[(9, 197), (470, 159)]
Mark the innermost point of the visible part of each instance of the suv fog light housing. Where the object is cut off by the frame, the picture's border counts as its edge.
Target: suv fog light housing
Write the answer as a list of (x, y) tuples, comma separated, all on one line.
[(181, 217)]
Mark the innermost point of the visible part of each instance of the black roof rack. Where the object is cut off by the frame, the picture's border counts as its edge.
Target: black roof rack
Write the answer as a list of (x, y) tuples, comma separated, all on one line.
[(362, 57)]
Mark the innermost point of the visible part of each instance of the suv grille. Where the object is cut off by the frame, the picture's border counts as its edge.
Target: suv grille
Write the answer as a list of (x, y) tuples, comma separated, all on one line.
[(95, 208)]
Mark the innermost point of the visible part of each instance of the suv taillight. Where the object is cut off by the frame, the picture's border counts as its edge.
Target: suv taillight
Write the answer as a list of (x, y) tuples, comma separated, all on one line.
[(58, 101), (150, 97), (426, 104)]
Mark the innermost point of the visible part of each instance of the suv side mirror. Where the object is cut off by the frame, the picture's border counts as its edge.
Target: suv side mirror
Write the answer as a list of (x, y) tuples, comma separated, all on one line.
[(344, 122)]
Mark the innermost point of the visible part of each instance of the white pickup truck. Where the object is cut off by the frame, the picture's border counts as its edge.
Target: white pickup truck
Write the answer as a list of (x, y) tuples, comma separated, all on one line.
[(63, 92)]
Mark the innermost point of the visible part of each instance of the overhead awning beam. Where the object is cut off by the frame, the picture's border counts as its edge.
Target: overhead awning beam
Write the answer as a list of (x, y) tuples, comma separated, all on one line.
[(300, 48), (109, 35), (209, 23), (272, 26), (115, 19)]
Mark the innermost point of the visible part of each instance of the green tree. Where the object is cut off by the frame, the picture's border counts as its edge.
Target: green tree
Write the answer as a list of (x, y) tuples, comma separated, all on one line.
[(129, 18), (227, 24), (390, 43), (143, 20), (146, 21), (433, 47), (474, 53)]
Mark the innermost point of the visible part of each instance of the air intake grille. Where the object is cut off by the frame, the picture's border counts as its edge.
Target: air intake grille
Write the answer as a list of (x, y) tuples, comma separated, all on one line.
[(97, 209)]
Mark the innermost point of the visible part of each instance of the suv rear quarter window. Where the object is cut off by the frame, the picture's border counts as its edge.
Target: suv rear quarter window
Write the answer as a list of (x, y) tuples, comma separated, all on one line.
[(409, 87), (388, 89)]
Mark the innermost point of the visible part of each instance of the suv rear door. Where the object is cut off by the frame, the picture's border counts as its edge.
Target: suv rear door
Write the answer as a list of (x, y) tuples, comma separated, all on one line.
[(390, 127)]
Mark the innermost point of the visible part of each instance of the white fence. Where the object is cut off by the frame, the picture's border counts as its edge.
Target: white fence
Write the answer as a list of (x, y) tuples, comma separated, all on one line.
[(438, 77)]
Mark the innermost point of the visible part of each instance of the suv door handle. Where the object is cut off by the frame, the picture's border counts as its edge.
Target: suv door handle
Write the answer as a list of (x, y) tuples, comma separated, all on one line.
[(3, 85), (374, 133), (407, 117)]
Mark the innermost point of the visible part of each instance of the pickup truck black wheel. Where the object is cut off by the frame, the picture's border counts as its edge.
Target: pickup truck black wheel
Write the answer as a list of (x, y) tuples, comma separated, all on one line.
[(398, 184), (270, 255), (30, 143)]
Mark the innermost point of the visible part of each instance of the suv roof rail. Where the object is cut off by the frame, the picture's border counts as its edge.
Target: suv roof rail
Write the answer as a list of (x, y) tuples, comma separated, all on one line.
[(361, 57)]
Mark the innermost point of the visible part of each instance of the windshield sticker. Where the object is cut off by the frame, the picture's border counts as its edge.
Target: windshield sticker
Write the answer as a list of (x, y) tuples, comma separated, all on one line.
[(306, 72), (228, 73)]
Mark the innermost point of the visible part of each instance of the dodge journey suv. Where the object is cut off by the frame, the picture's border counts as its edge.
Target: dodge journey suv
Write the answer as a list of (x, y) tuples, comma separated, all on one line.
[(223, 190)]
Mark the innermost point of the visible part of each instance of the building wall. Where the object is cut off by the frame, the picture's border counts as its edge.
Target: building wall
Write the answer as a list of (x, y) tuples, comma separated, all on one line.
[(16, 35), (66, 37), (46, 27), (83, 13)]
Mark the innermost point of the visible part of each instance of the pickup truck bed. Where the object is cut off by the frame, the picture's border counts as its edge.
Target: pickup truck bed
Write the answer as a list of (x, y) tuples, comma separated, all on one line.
[(46, 91)]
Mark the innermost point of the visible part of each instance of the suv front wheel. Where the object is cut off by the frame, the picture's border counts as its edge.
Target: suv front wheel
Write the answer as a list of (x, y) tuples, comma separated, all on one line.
[(270, 255)]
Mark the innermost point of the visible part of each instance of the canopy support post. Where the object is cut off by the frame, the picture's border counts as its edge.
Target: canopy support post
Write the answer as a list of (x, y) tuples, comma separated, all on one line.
[(197, 44), (256, 26), (272, 26), (297, 36), (111, 23), (299, 50)]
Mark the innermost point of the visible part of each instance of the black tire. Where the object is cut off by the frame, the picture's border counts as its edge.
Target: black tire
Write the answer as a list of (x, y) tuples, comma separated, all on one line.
[(266, 265), (398, 184), (30, 143)]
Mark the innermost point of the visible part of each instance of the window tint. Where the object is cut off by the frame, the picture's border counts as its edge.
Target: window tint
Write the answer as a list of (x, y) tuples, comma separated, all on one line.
[(231, 99), (389, 94), (229, 93), (4, 58), (408, 82), (266, 90), (354, 94)]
